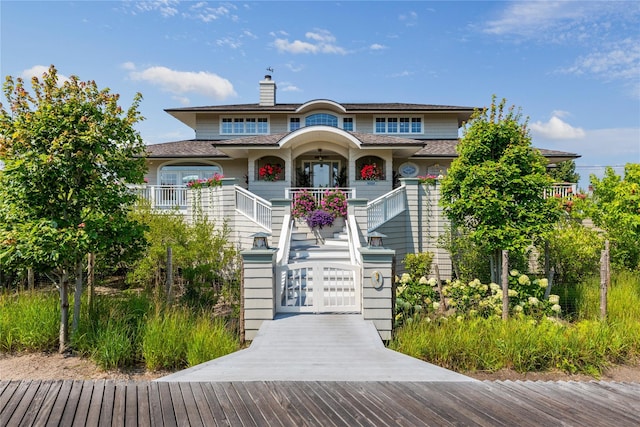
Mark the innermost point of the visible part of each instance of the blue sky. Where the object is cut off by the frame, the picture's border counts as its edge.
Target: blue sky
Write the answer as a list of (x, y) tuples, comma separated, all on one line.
[(573, 67)]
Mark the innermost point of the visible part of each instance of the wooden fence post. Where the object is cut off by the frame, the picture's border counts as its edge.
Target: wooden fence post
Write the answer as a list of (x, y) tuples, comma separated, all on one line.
[(91, 261), (605, 279), (505, 285), (443, 303)]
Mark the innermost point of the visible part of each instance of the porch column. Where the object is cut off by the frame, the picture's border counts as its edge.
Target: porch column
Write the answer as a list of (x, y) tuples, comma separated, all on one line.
[(258, 289), (280, 216), (417, 218), (377, 288)]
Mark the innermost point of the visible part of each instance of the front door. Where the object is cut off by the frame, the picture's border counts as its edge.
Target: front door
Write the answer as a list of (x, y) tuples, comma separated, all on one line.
[(323, 173)]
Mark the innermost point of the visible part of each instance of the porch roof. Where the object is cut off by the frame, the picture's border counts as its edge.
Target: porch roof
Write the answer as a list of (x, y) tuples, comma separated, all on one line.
[(186, 148)]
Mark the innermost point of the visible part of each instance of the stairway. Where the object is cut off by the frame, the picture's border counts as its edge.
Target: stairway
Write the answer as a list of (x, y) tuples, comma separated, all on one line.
[(329, 244), (325, 254)]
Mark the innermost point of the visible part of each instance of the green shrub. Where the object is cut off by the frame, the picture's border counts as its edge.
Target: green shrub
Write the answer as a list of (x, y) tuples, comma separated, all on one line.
[(418, 265), (165, 338)]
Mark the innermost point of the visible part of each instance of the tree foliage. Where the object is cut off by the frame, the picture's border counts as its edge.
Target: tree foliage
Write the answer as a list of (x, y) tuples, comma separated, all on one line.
[(615, 207), (495, 188), (69, 150), (565, 172)]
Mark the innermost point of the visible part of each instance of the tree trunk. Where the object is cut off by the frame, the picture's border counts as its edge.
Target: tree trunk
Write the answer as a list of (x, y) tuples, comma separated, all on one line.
[(77, 297), (91, 261), (169, 283), (64, 312)]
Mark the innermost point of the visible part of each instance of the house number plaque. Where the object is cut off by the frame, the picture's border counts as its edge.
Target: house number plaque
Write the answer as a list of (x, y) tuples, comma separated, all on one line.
[(377, 280)]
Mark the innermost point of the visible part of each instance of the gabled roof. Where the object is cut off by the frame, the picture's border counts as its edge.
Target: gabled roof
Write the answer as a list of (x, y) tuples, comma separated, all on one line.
[(446, 148)]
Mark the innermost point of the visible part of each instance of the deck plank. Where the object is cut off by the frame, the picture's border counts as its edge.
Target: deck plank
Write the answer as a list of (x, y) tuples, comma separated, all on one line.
[(119, 404), (108, 403), (292, 403), (71, 403), (84, 403), (7, 393), (314, 405), (202, 405), (191, 407), (131, 403), (279, 403), (155, 405), (340, 402), (36, 402), (258, 405), (13, 401), (95, 407), (214, 405), (229, 411), (47, 404), (144, 416), (372, 409), (167, 405), (61, 401), (246, 417), (415, 411), (23, 403)]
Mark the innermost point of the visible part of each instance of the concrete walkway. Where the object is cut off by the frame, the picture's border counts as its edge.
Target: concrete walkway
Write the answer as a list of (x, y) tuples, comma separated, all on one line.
[(324, 347)]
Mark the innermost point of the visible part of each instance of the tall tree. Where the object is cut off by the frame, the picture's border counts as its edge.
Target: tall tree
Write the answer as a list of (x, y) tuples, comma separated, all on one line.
[(495, 188), (615, 207), (565, 172), (69, 151)]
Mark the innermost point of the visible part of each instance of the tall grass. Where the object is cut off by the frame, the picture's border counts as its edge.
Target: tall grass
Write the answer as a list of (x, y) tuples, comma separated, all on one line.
[(178, 339), (121, 331), (29, 321), (588, 345)]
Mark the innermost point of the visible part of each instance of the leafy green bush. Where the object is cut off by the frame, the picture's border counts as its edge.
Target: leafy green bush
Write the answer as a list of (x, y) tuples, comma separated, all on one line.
[(418, 265), (574, 252)]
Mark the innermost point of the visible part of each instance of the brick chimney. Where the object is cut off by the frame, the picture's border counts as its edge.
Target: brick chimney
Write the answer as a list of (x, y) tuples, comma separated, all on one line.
[(267, 92)]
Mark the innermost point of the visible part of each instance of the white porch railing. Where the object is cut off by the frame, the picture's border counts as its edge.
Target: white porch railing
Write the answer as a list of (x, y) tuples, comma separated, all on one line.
[(254, 207), (562, 189), (385, 207), (163, 196), (318, 193)]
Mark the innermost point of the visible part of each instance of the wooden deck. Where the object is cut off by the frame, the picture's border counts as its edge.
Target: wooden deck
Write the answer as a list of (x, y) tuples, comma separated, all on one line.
[(267, 403)]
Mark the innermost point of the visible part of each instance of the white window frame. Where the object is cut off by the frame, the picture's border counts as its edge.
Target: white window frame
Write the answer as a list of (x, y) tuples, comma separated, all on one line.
[(241, 125), (398, 120)]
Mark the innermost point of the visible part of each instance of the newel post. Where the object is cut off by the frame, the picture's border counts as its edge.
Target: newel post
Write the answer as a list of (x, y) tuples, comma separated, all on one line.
[(258, 289), (377, 288)]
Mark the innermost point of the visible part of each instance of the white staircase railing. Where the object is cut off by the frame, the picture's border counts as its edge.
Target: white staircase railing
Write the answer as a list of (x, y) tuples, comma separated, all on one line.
[(354, 240), (385, 207), (284, 244), (254, 207)]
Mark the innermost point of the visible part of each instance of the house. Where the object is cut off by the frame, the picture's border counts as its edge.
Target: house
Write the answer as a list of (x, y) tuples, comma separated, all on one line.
[(267, 152)]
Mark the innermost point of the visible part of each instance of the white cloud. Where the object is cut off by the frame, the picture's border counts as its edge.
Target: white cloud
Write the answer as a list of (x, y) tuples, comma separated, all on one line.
[(128, 66), (410, 19), (167, 8), (555, 128), (181, 82), (38, 71), (377, 46), (294, 68), (321, 41), (529, 18), (289, 87), (616, 60)]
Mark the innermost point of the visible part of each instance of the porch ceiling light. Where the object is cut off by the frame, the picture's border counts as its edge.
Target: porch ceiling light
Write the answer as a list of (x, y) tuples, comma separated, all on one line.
[(260, 240), (374, 239)]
